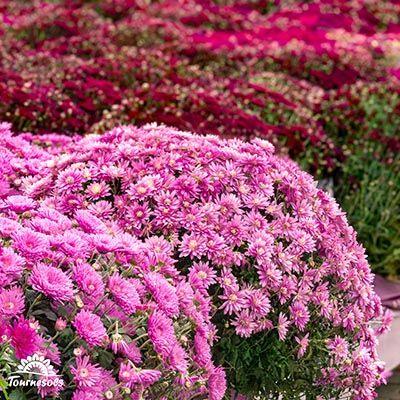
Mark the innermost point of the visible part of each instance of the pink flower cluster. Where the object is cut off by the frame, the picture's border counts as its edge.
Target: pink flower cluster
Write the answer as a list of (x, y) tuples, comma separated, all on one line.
[(72, 275), (130, 243)]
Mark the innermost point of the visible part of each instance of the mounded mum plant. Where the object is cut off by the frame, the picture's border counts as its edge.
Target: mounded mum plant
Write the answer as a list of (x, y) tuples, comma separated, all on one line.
[(149, 263)]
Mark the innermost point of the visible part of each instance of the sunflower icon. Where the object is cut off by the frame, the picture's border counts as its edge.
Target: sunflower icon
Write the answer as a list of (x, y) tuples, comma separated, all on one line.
[(36, 365)]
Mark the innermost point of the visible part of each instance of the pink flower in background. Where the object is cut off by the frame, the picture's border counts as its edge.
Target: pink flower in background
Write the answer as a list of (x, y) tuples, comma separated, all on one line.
[(299, 315), (161, 332), (32, 245), (283, 324), (61, 324), (52, 282), (131, 375), (12, 302), (303, 344), (124, 293), (386, 322), (88, 280), (164, 293), (20, 204), (11, 266), (90, 328)]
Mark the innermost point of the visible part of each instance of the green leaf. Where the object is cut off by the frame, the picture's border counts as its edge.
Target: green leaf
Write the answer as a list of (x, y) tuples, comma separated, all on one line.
[(105, 359), (17, 394), (3, 387)]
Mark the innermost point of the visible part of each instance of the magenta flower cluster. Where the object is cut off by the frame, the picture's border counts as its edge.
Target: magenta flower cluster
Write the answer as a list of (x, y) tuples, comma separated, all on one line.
[(121, 254)]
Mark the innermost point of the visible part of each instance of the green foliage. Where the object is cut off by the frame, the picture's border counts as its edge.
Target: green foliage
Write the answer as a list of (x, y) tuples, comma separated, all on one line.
[(262, 365), (367, 181), (370, 194)]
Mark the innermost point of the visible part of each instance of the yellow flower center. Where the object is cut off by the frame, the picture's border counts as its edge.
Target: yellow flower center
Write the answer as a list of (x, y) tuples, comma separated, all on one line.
[(95, 188)]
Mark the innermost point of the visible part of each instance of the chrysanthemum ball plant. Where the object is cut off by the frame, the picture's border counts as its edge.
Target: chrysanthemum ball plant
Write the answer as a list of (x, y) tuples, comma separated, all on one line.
[(152, 262)]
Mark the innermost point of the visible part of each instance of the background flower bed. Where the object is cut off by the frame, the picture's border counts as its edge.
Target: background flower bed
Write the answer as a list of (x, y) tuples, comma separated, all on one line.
[(319, 80)]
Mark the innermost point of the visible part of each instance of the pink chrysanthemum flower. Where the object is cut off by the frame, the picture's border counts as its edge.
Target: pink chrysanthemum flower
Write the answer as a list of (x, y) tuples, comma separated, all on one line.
[(258, 302), (71, 244), (24, 338), (193, 231), (161, 332), (299, 315), (202, 274), (339, 347), (217, 384), (193, 246), (51, 386), (163, 292), (11, 266), (60, 324), (261, 246), (11, 302), (88, 280), (202, 349), (32, 245), (87, 394), (119, 344), (145, 186), (89, 223), (69, 180), (124, 293), (52, 282), (132, 352), (97, 190), (85, 373), (101, 209), (90, 328), (303, 345), (70, 203), (104, 243), (20, 204), (283, 324), (234, 301), (8, 226), (177, 359), (132, 376), (244, 324), (50, 350)]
